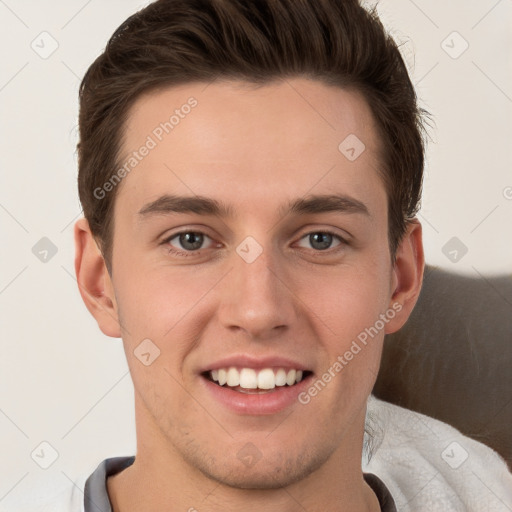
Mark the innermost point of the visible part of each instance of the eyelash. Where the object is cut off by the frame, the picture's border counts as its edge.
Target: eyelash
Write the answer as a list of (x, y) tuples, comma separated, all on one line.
[(175, 252)]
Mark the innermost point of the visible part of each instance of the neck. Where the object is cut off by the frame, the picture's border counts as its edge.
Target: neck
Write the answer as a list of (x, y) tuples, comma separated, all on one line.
[(337, 485), (323, 473), (128, 493)]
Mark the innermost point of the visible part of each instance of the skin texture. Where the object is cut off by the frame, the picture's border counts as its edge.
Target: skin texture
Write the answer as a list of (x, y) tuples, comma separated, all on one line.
[(254, 149)]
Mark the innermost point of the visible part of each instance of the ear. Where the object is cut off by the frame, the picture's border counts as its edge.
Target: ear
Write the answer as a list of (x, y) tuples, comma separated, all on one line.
[(94, 281), (407, 276)]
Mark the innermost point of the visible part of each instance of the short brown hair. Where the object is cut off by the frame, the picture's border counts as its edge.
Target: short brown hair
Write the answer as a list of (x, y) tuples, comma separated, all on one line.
[(172, 42)]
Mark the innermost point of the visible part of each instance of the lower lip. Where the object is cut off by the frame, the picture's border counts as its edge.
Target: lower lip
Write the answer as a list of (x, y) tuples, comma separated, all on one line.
[(271, 402)]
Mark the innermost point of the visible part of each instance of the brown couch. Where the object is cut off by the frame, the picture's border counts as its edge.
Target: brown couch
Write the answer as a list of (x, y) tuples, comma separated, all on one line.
[(453, 358)]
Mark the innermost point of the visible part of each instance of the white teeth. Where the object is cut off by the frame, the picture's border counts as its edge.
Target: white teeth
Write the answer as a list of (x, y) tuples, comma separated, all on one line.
[(222, 376), (266, 379), (248, 378), (280, 377), (290, 378), (233, 377)]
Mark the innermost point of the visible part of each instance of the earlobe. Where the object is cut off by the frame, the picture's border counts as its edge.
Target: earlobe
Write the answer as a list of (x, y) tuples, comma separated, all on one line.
[(94, 281), (407, 276)]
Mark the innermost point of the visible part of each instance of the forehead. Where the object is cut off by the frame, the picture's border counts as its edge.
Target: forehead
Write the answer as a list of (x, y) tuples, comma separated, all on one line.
[(282, 138)]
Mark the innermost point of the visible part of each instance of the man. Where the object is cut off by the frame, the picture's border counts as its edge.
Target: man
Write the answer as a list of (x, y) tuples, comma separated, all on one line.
[(250, 174)]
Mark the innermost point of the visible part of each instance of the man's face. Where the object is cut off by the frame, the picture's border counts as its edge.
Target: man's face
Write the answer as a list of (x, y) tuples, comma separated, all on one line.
[(265, 284)]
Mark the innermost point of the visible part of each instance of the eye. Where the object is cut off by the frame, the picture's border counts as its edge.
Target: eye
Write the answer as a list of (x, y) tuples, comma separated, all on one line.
[(322, 240), (186, 242)]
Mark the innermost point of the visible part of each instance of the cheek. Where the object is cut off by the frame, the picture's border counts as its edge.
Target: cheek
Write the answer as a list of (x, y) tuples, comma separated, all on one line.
[(156, 301), (168, 308), (348, 300), (352, 334), (353, 331)]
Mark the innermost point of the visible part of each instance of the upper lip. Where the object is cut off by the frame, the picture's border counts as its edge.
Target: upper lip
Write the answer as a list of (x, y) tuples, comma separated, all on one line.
[(258, 363)]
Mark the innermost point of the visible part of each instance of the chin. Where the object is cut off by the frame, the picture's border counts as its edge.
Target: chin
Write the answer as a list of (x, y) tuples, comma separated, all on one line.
[(264, 473), (254, 480)]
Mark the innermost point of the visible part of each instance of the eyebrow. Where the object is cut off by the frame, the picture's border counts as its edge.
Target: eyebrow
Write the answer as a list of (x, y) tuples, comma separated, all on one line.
[(200, 205)]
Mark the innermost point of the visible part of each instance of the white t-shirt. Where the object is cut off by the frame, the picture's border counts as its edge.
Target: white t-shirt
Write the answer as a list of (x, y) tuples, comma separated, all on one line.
[(427, 466)]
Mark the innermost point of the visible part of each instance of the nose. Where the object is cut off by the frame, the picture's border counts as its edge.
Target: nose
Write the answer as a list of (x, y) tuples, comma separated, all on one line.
[(257, 297)]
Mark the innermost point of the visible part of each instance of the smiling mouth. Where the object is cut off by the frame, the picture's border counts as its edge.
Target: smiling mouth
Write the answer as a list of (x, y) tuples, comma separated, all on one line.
[(251, 381)]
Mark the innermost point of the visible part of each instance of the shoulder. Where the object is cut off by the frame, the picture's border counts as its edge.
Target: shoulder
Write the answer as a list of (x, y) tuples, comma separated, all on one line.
[(53, 494), (426, 463)]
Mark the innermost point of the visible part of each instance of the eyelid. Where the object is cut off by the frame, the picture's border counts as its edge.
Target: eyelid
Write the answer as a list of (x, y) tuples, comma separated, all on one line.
[(343, 236), (203, 230)]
